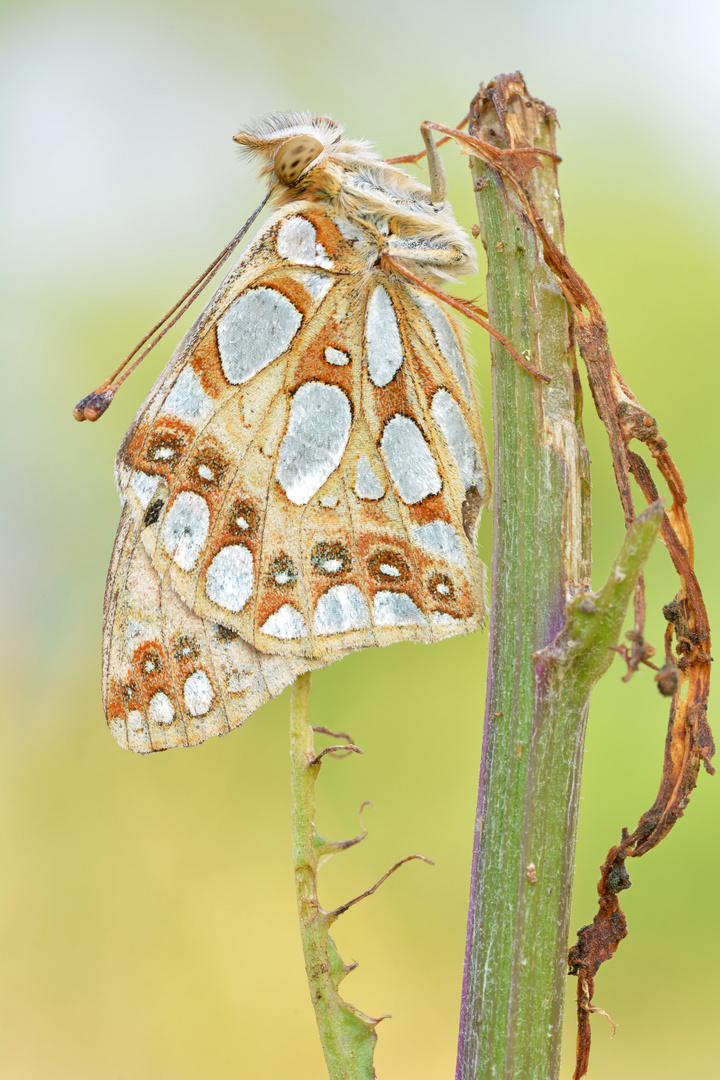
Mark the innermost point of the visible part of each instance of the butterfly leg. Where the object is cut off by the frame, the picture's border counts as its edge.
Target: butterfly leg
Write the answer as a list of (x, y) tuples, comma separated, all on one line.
[(438, 183)]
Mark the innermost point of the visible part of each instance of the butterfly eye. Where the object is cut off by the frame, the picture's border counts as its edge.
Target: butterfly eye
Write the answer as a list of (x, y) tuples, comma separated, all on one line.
[(294, 156)]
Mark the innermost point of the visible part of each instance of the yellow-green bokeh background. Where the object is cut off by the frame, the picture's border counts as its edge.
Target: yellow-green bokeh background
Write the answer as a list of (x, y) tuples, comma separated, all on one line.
[(148, 916)]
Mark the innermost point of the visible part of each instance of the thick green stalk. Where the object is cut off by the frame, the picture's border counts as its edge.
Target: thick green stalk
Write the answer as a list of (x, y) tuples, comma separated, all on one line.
[(550, 639), (348, 1036)]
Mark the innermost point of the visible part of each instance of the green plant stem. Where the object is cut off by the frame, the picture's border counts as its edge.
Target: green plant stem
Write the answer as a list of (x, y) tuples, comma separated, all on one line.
[(546, 649), (347, 1035)]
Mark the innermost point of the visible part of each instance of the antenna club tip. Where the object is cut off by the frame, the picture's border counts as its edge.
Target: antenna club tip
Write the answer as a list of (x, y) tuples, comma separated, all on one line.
[(94, 405)]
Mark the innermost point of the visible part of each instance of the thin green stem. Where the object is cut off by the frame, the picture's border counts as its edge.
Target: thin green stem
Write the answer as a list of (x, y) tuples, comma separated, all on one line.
[(347, 1035)]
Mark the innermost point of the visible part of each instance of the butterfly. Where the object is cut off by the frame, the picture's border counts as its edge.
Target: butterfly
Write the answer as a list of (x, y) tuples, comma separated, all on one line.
[(307, 474)]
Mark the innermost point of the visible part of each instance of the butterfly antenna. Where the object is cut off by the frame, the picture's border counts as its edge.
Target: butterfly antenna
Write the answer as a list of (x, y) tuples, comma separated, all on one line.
[(94, 405)]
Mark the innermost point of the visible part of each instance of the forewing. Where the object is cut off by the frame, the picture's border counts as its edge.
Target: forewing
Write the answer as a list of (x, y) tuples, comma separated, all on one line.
[(309, 470)]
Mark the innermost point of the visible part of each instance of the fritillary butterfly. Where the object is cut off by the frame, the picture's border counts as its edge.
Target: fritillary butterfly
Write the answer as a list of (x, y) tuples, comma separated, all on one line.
[(307, 475)]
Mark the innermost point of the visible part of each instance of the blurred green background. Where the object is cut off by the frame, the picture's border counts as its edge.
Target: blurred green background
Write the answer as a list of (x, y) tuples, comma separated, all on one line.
[(148, 921)]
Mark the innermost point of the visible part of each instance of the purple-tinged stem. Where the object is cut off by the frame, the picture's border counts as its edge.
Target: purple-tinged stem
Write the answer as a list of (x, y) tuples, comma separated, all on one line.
[(549, 637)]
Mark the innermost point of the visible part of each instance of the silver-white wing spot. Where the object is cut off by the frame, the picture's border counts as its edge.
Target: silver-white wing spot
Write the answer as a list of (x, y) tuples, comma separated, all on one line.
[(444, 621), (367, 485), (335, 356), (341, 608), (198, 694), (286, 623), (230, 577), (396, 609), (439, 538), (409, 460), (254, 331), (445, 337), (330, 566), (185, 529), (296, 240), (449, 418), (144, 485), (187, 399), (136, 723), (382, 338), (352, 233), (318, 285), (314, 443), (160, 709), (241, 521), (322, 258)]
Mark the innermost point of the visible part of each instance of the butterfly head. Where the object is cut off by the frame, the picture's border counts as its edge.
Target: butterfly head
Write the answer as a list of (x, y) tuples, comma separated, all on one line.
[(299, 153)]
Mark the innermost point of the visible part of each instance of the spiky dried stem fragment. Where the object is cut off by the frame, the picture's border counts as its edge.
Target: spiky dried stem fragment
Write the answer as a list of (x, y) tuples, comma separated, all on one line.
[(347, 1035)]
